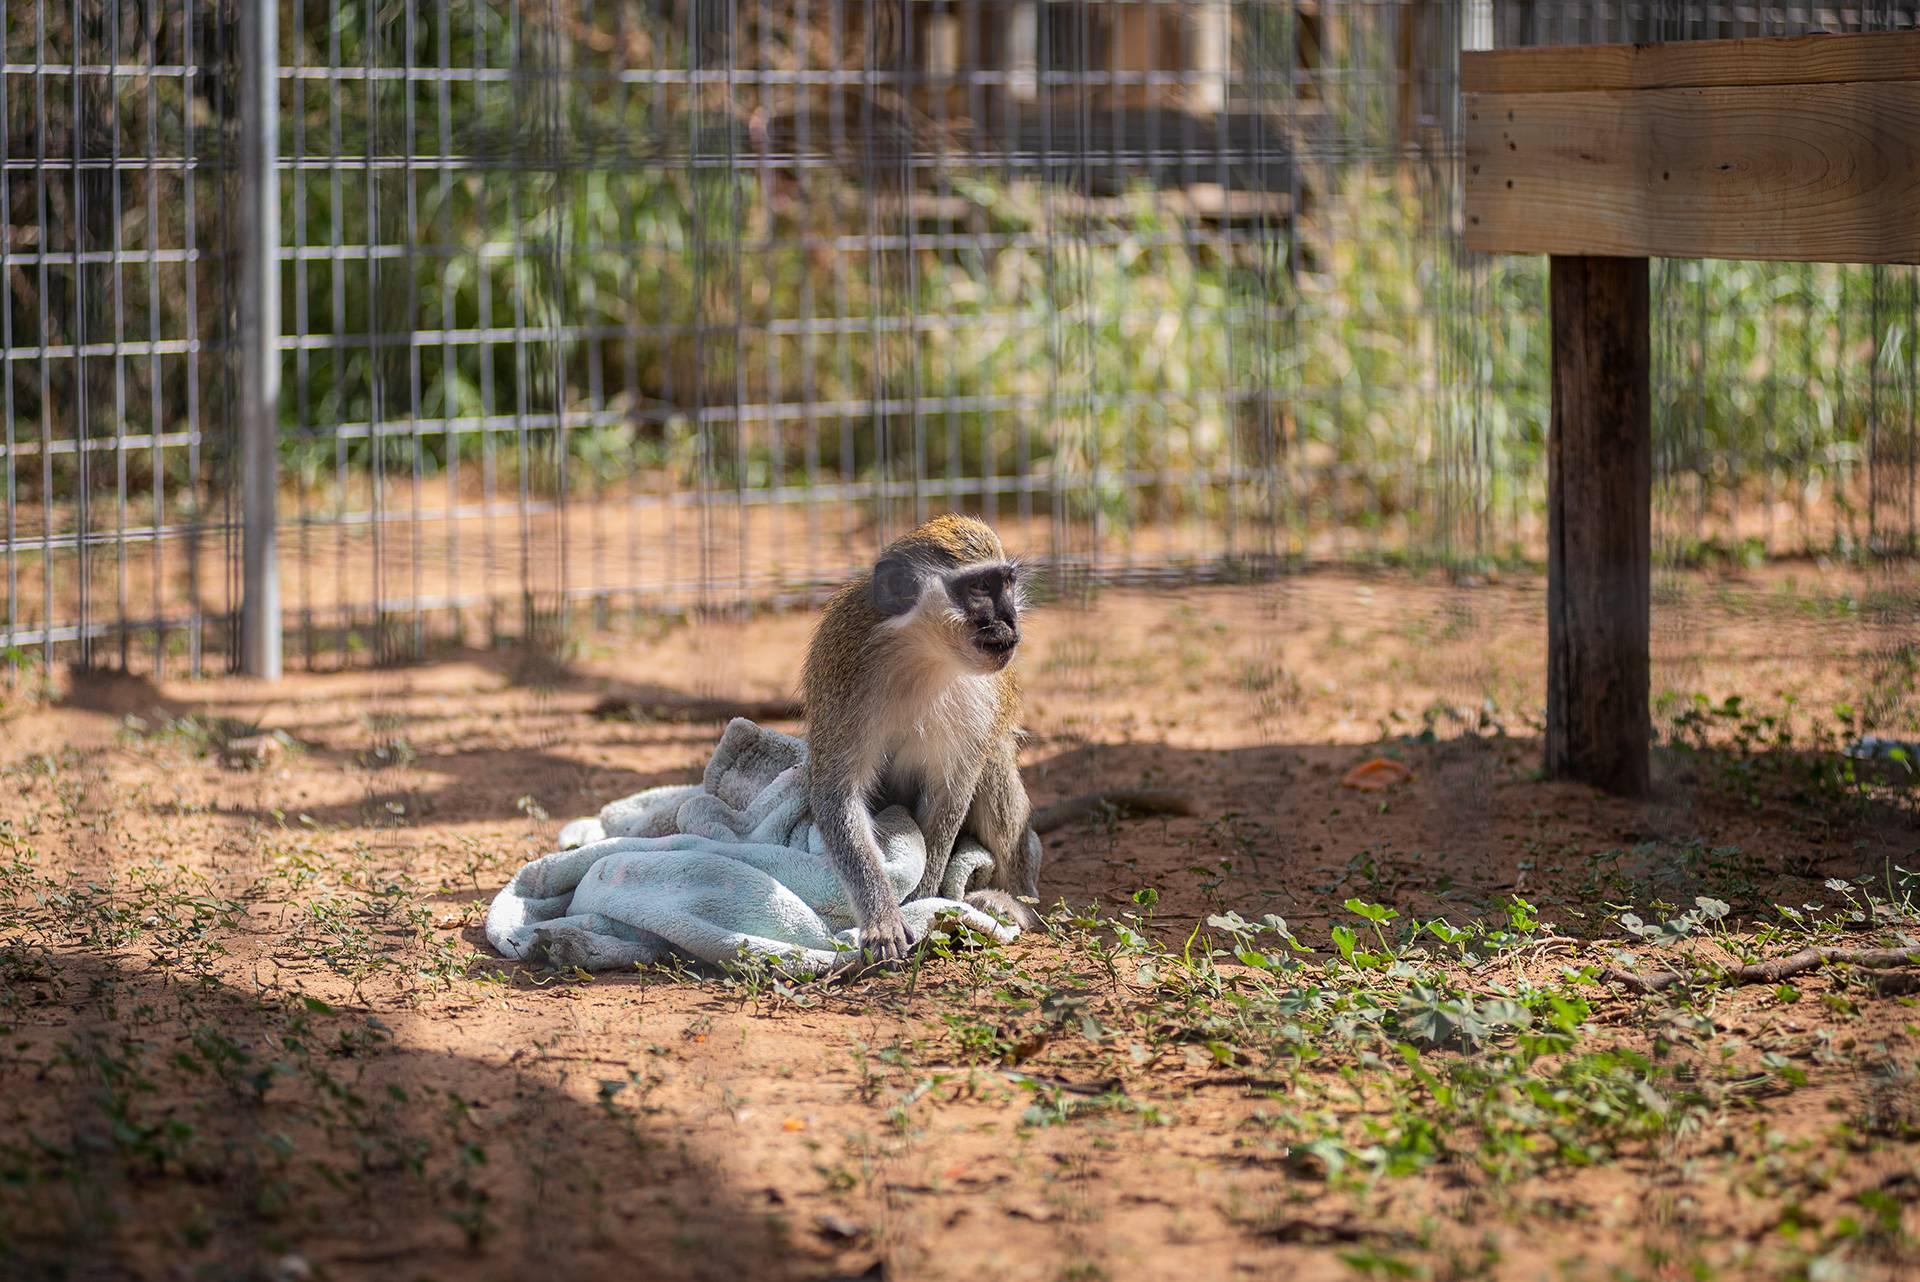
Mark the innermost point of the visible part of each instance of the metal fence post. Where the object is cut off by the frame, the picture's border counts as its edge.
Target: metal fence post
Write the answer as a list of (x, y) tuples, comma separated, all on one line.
[(259, 335)]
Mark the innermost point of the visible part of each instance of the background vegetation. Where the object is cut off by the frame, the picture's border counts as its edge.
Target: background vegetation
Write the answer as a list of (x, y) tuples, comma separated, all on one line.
[(528, 252)]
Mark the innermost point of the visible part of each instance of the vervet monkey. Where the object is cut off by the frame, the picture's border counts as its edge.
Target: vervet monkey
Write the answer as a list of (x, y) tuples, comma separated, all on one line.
[(909, 701)]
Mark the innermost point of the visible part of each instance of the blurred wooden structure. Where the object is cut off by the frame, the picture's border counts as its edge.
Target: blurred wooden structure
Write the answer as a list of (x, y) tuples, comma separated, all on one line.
[(1237, 106)]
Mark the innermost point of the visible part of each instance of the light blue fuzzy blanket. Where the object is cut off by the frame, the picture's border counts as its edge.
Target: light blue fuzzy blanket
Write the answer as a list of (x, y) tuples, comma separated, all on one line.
[(727, 867)]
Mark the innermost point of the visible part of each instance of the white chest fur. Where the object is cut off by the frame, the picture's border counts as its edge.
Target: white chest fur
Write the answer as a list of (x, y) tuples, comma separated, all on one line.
[(941, 733)]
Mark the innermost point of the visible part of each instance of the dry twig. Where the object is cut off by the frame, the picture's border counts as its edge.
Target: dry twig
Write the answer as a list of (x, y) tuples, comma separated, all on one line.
[(1126, 801), (1772, 972), (695, 711)]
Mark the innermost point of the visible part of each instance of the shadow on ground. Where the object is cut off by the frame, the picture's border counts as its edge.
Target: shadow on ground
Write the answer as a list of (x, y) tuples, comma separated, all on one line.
[(161, 1128), (1278, 831), (1275, 829)]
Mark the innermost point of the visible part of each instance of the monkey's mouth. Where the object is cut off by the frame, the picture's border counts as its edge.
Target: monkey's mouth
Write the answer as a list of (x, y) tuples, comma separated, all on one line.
[(998, 643)]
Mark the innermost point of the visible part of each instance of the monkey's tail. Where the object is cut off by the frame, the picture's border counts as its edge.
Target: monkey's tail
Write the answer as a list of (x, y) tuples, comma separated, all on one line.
[(1131, 802)]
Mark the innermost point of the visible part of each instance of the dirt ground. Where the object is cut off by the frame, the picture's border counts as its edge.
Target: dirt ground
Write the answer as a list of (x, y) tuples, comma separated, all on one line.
[(252, 1029)]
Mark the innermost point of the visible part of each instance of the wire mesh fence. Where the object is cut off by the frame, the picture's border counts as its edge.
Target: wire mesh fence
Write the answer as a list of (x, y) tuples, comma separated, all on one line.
[(590, 308), (706, 299), (113, 267)]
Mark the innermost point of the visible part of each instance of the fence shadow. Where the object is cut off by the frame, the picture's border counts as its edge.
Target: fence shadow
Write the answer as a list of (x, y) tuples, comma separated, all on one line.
[(114, 693), (1276, 830), (461, 769)]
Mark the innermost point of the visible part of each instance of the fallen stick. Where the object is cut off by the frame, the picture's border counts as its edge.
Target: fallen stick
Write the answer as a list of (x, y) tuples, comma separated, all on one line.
[(685, 711), (1772, 972), (1125, 801), (1099, 1086)]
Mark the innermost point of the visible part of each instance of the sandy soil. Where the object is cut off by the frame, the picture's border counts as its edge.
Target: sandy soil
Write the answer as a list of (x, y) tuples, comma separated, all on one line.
[(252, 1028)]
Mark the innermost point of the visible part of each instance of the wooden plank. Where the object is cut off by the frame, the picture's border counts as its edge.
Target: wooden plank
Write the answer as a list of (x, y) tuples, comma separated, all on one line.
[(1696, 64), (1820, 173), (1599, 524)]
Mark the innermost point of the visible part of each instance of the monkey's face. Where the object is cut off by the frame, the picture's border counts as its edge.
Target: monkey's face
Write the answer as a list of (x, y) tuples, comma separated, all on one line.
[(965, 608), (985, 613)]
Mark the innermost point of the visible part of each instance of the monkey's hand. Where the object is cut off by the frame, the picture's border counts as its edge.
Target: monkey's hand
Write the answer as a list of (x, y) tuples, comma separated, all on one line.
[(884, 938)]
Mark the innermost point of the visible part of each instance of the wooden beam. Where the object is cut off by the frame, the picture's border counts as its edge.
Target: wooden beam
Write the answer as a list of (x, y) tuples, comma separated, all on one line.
[(1599, 525), (1695, 64), (1820, 173)]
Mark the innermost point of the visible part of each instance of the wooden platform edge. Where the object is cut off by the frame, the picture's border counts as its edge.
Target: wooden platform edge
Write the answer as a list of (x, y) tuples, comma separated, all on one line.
[(1808, 173), (1696, 64)]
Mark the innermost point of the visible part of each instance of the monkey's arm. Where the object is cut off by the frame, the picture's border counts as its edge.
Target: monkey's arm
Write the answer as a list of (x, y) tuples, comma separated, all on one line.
[(998, 817), (941, 811), (847, 831)]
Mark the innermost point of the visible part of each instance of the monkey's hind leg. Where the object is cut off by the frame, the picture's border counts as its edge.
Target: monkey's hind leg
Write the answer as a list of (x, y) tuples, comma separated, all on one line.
[(998, 903), (1020, 869)]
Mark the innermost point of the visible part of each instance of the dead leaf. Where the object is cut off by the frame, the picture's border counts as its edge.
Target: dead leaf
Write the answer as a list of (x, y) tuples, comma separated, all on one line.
[(1376, 775)]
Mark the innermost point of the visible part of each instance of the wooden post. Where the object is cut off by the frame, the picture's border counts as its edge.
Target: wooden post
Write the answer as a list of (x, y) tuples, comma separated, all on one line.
[(1599, 524), (1803, 149)]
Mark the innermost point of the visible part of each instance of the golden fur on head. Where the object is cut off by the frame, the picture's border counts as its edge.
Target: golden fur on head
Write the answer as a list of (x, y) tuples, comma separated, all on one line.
[(954, 539)]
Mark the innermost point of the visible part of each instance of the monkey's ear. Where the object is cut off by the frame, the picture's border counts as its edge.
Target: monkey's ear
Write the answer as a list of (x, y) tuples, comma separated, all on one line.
[(896, 586)]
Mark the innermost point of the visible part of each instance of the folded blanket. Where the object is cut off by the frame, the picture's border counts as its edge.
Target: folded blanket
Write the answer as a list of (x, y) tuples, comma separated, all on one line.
[(727, 867)]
